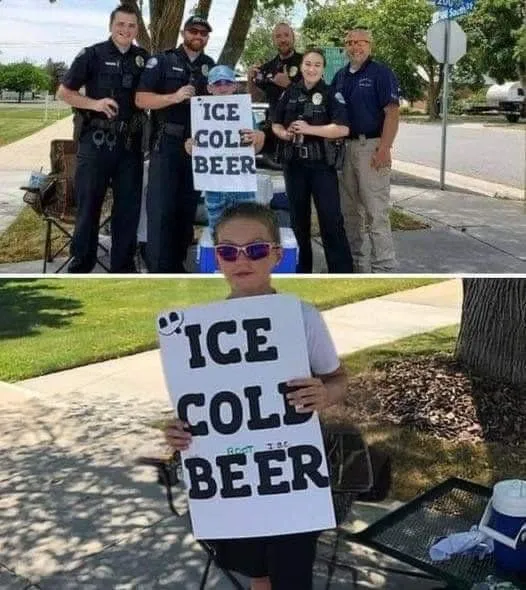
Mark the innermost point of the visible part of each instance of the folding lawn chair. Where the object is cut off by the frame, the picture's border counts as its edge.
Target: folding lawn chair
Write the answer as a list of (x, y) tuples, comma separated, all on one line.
[(53, 201)]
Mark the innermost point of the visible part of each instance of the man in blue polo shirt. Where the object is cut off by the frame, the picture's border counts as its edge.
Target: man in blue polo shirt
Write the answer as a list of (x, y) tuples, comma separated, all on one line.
[(371, 91)]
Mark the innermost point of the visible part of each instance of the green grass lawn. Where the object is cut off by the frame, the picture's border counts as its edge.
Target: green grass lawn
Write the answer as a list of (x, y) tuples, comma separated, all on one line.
[(47, 325), (19, 122), (420, 460)]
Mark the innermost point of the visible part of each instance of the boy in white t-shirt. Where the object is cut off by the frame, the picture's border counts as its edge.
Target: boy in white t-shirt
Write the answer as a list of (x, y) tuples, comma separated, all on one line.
[(247, 246)]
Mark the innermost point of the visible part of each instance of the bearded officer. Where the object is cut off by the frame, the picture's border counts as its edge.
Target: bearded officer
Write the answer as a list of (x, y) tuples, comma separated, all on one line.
[(268, 81), (168, 82)]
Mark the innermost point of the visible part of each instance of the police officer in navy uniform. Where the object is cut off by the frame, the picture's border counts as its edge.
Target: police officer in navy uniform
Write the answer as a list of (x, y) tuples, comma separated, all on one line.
[(168, 82), (108, 131), (268, 81), (307, 117)]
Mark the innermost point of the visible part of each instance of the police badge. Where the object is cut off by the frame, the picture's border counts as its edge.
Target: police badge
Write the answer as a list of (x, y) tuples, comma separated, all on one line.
[(317, 98), (293, 70), (139, 61), (204, 70)]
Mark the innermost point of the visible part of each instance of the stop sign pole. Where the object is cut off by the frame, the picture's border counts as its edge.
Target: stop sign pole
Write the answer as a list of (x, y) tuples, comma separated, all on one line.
[(446, 41), (445, 95)]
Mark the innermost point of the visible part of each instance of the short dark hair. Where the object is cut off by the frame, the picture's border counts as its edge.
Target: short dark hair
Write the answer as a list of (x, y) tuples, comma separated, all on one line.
[(126, 8), (252, 211), (317, 51)]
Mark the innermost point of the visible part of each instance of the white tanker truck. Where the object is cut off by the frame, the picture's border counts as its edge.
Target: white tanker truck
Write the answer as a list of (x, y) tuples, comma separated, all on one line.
[(507, 98)]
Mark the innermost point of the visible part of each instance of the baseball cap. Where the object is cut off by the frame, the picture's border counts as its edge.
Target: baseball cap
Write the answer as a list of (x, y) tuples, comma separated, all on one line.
[(197, 20), (218, 73)]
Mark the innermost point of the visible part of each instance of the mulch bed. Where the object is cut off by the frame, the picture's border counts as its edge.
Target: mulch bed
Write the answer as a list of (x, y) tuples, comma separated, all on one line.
[(437, 396)]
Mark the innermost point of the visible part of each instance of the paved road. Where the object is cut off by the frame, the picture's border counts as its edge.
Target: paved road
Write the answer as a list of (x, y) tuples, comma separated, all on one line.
[(495, 154)]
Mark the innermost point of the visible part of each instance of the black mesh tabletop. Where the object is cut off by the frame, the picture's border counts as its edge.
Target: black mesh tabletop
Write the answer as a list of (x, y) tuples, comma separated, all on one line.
[(407, 533)]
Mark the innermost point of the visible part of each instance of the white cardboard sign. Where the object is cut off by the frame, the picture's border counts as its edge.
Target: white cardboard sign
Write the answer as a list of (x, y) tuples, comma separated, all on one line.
[(255, 467), (219, 161)]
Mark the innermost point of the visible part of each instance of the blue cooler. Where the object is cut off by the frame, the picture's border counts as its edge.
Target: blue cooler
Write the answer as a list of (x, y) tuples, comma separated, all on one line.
[(206, 260), (279, 199), (504, 520)]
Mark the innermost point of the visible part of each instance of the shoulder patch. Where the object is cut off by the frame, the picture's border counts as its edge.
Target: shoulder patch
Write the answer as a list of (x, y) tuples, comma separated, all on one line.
[(151, 63), (339, 97)]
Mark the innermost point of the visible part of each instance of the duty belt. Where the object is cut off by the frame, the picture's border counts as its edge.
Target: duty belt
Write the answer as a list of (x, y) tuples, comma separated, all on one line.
[(364, 135), (113, 126), (309, 151)]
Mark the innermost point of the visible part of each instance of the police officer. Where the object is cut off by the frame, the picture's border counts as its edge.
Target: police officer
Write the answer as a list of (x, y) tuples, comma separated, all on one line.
[(108, 130), (168, 82), (306, 118), (372, 95), (268, 81)]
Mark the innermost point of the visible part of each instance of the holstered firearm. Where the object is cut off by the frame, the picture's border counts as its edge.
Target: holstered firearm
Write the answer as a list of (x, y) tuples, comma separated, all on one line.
[(147, 132), (134, 130), (157, 131), (79, 119), (335, 152)]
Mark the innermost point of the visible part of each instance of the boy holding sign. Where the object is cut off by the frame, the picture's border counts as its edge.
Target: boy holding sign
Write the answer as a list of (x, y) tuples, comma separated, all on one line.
[(247, 247), (222, 82)]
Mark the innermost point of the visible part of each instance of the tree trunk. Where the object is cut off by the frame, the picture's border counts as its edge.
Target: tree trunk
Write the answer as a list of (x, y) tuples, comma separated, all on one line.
[(435, 88), (203, 8), (165, 27), (492, 337), (237, 33), (20, 96)]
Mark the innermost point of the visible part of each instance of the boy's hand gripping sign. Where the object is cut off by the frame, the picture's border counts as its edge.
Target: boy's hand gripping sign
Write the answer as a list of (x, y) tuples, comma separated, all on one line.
[(255, 466), (219, 160)]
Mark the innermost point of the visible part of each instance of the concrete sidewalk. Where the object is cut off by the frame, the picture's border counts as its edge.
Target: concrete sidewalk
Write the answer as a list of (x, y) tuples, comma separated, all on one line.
[(78, 514), (468, 232)]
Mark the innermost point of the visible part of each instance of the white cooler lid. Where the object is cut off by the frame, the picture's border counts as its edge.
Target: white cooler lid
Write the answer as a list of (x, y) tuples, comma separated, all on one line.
[(509, 497)]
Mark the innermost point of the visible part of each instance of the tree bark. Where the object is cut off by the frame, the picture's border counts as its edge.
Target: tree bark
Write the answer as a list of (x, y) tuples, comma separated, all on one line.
[(165, 31), (492, 337), (203, 8), (237, 33), (434, 88)]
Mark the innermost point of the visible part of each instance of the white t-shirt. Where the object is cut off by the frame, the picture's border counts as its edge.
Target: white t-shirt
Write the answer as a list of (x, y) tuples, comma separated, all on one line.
[(323, 358)]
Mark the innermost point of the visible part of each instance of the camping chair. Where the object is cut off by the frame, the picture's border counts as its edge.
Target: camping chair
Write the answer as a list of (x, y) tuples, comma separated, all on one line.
[(53, 200), (351, 474)]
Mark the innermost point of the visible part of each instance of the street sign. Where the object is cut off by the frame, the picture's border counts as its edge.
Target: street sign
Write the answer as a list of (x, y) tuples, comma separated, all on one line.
[(436, 45), (454, 8)]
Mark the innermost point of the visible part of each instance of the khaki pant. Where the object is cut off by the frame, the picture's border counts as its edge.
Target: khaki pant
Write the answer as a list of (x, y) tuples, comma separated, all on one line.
[(364, 195)]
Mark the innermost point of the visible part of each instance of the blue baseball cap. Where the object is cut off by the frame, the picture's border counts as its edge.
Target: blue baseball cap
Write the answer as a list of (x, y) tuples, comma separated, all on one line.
[(221, 73)]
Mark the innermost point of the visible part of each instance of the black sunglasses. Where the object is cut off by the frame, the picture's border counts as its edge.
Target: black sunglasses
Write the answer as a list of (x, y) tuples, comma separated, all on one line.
[(200, 32), (254, 251)]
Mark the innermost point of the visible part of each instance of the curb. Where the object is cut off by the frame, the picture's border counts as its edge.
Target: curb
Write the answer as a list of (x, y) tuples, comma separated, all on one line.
[(460, 182), (13, 393)]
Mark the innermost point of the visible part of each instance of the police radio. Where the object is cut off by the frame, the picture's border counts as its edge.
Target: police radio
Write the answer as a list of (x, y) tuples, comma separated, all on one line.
[(299, 138)]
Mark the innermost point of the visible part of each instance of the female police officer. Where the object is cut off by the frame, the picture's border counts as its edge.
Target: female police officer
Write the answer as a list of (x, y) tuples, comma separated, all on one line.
[(307, 115)]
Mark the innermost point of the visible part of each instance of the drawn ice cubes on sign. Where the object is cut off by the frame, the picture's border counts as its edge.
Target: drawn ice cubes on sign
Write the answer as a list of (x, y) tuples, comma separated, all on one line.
[(169, 324)]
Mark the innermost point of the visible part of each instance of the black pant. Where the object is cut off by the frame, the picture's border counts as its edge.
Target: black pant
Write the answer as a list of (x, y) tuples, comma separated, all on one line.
[(97, 168), (287, 560), (171, 205), (303, 178)]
